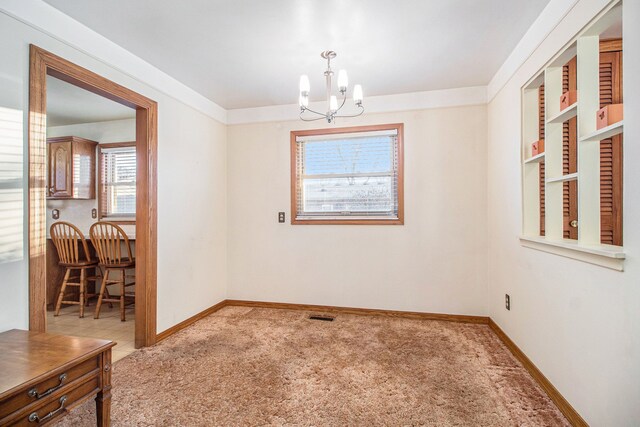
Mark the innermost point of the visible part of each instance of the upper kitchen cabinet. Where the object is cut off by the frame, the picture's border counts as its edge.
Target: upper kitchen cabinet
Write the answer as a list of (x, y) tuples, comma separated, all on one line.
[(72, 168)]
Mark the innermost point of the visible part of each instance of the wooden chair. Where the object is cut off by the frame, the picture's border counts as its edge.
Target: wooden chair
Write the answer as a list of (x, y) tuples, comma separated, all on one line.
[(114, 254), (65, 237)]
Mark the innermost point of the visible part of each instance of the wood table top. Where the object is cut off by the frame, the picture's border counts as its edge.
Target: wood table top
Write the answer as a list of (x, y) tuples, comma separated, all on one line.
[(28, 357)]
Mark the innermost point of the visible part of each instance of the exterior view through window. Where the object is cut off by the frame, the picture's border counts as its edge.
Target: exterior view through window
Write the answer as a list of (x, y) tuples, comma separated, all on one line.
[(348, 175), (118, 181)]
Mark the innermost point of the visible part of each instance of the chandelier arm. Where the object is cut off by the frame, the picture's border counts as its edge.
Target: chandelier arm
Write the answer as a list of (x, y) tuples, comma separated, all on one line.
[(343, 101), (311, 120), (352, 115), (315, 112)]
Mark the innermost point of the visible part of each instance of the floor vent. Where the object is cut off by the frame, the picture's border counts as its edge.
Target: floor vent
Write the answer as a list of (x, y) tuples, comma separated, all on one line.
[(323, 318)]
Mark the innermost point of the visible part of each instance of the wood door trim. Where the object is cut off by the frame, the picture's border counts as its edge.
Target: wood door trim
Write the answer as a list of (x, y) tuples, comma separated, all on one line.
[(41, 64), (563, 405)]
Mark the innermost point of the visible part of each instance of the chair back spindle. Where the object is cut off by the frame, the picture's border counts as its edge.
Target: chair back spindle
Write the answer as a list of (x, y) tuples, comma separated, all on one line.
[(109, 239), (65, 237)]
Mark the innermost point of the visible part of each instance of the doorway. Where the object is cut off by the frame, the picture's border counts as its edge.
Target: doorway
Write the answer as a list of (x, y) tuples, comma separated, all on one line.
[(43, 64)]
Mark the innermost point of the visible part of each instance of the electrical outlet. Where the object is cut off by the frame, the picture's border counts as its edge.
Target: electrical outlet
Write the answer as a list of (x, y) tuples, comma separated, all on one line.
[(55, 214), (281, 217), (94, 213), (507, 302)]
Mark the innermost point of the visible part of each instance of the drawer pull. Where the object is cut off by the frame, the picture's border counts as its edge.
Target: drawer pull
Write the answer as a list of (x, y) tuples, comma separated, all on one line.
[(34, 392), (35, 418)]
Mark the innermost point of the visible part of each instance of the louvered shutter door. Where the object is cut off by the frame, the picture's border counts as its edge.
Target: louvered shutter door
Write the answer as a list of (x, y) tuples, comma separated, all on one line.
[(570, 156), (541, 164), (611, 153)]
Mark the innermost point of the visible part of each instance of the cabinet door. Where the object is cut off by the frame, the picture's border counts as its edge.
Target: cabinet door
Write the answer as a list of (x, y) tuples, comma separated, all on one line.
[(570, 157), (611, 157), (60, 169)]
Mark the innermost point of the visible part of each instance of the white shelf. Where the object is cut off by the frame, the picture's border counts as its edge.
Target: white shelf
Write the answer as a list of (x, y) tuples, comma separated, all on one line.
[(604, 133), (603, 255), (535, 159), (564, 178), (568, 113)]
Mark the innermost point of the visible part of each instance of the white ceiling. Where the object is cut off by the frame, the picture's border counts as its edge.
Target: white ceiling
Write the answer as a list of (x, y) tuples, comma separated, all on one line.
[(250, 53), (69, 105)]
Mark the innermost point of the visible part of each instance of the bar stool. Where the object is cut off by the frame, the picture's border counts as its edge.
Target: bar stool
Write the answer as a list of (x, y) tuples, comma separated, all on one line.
[(65, 237), (109, 240)]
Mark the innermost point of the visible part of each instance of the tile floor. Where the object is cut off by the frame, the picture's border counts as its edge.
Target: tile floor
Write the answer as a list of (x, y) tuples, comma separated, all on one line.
[(108, 326)]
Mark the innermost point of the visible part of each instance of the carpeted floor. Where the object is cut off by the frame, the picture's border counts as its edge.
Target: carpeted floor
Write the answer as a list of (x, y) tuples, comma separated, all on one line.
[(244, 366)]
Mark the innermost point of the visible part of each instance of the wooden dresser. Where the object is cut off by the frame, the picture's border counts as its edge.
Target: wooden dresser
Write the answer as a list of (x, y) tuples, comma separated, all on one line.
[(42, 376)]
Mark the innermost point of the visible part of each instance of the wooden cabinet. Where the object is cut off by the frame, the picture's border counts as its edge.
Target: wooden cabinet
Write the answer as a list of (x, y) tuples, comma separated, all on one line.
[(72, 168)]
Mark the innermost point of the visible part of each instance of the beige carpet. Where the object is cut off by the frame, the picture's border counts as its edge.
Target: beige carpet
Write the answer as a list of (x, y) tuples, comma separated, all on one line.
[(243, 366)]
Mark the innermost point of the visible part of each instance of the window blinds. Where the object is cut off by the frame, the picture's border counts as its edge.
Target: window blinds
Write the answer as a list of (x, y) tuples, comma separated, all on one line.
[(118, 182), (11, 185), (347, 175)]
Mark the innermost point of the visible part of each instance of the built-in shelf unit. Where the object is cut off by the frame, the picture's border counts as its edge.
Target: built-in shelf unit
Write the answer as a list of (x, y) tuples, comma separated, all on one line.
[(546, 178)]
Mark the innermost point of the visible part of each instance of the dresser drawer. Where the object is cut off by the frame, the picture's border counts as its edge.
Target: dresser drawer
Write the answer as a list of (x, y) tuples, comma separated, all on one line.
[(55, 404), (47, 387)]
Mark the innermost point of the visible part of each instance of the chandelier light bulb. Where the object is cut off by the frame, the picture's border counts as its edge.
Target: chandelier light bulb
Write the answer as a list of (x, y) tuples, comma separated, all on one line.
[(304, 85), (333, 103), (343, 80), (357, 94), (303, 101)]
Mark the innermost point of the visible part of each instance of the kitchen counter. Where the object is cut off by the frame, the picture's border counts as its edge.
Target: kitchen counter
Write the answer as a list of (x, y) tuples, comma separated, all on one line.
[(130, 230)]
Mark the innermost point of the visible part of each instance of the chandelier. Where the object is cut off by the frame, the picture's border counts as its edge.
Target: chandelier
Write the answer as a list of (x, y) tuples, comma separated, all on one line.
[(332, 100)]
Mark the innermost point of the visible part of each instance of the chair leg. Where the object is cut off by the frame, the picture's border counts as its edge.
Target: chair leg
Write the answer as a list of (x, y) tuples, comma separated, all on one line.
[(103, 286), (108, 295), (106, 289), (83, 288), (122, 318), (62, 289)]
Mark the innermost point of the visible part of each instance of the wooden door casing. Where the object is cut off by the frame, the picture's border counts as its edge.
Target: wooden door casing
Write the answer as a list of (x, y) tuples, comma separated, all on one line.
[(41, 65)]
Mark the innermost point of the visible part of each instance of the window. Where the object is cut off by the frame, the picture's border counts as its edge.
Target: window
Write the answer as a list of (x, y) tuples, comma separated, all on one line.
[(347, 175), (117, 186), (11, 185)]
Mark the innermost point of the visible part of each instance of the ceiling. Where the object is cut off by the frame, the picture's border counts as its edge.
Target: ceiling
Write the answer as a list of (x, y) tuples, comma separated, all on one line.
[(69, 105), (250, 53)]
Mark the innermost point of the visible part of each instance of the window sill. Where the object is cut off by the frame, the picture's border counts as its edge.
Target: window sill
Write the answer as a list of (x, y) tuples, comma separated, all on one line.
[(119, 220), (603, 255), (344, 221)]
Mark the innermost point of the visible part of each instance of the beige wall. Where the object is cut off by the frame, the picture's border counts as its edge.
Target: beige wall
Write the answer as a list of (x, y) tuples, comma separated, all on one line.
[(579, 323), (191, 187), (435, 262)]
